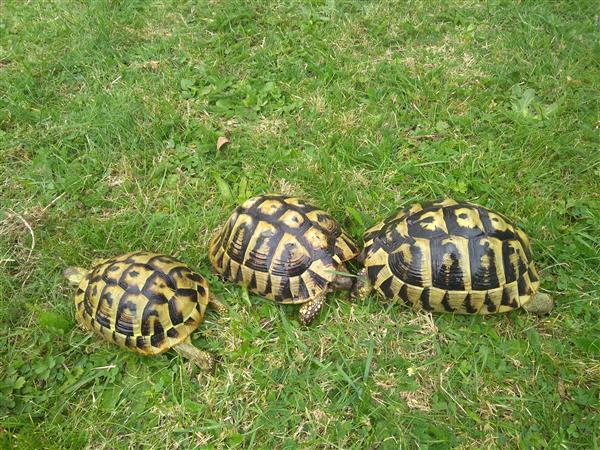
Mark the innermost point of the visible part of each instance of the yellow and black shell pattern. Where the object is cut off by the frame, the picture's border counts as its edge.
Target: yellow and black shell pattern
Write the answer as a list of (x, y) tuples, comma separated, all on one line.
[(145, 302), (451, 256), (281, 248)]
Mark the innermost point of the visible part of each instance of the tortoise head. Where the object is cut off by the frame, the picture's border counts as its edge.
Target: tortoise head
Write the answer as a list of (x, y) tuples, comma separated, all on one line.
[(343, 280), (342, 283), (74, 275)]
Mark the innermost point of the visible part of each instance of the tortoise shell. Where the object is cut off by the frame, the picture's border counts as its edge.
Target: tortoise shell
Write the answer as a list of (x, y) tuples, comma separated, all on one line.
[(281, 248), (145, 302), (451, 256)]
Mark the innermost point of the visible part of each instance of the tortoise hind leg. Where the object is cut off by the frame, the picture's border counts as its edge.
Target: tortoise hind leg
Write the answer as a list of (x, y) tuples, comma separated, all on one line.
[(311, 309), (216, 305), (202, 359), (540, 304)]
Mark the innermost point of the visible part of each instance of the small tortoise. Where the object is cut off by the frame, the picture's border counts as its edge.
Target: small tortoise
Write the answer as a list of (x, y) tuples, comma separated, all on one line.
[(145, 302), (284, 249), (450, 256)]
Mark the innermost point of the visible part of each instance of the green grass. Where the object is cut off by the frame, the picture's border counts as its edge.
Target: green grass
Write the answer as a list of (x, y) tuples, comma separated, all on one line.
[(109, 115)]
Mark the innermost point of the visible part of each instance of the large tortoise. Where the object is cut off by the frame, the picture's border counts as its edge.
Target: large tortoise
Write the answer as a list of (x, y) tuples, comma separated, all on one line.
[(284, 249), (450, 256)]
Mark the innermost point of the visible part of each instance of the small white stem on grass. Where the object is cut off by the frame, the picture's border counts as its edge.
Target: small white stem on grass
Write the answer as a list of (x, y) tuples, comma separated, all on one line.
[(53, 201), (18, 216), (452, 397)]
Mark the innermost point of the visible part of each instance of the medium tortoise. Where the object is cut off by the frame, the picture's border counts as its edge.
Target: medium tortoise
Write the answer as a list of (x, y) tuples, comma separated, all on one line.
[(284, 249), (145, 302), (450, 256)]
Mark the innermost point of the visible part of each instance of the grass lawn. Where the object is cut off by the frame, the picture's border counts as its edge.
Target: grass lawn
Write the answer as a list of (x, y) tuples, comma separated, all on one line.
[(109, 116)]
